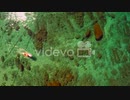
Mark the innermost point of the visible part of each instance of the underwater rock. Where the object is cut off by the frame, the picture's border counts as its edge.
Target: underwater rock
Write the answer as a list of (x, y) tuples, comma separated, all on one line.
[(98, 32)]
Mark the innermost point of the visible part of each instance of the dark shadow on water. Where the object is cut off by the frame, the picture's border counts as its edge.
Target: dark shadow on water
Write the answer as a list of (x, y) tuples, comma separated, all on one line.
[(33, 58)]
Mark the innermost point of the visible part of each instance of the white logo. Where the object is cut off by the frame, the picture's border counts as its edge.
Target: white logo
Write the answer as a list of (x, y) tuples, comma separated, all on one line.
[(84, 49)]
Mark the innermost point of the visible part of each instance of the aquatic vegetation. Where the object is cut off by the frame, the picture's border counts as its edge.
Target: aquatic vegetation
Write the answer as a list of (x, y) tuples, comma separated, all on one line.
[(25, 59)]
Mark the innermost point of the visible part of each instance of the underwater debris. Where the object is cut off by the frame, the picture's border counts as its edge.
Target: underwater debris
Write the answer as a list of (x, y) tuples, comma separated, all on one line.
[(26, 54), (98, 32)]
